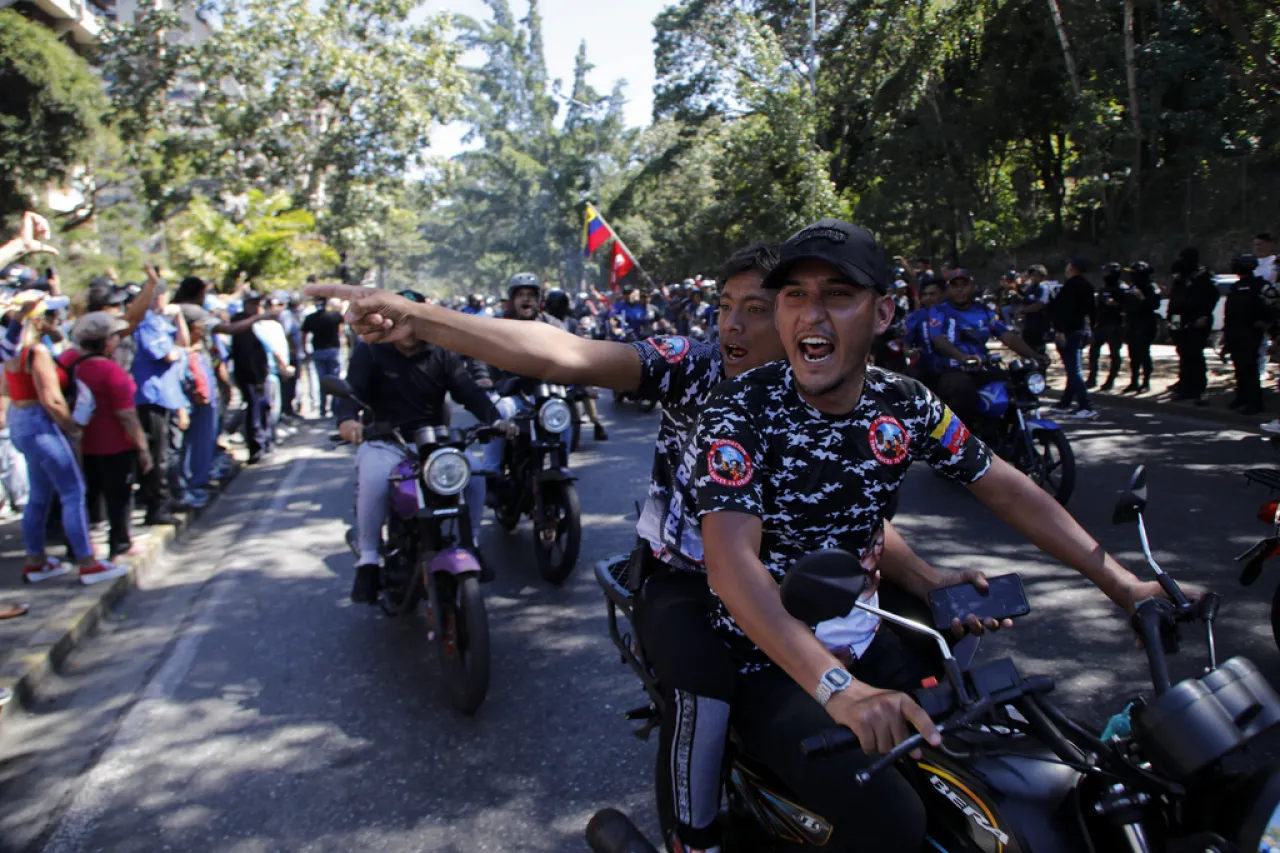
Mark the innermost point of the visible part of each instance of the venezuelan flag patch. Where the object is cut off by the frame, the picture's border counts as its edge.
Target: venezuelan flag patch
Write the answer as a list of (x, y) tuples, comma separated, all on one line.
[(950, 432)]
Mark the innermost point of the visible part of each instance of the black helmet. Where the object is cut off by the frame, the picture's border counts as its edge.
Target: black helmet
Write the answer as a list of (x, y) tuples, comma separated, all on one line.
[(1243, 265), (556, 303), (522, 280), (475, 300), (1142, 269), (899, 272), (1111, 270), (1010, 275), (627, 288)]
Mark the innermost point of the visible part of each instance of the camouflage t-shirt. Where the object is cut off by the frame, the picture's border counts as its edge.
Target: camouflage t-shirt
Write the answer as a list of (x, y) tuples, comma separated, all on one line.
[(817, 480), (679, 373)]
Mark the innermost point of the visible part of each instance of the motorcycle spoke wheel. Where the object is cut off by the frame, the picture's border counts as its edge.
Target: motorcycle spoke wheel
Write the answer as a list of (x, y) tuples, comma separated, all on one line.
[(462, 639), (1054, 468), (556, 556)]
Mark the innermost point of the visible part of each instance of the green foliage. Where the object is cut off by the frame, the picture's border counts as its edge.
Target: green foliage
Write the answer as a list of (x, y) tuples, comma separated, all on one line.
[(272, 242), (50, 111)]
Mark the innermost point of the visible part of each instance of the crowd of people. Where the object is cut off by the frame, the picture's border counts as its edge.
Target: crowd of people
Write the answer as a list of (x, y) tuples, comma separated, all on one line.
[(131, 393), (944, 323)]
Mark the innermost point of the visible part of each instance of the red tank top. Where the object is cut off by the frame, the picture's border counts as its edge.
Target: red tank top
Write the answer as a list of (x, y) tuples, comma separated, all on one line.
[(22, 385)]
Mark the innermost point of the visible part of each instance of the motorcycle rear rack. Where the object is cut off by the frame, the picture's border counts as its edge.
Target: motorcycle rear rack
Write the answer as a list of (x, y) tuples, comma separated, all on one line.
[(1269, 477)]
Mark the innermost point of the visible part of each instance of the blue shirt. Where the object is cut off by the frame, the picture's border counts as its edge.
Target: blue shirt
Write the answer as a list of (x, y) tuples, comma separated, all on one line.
[(159, 380), (968, 330), (633, 316), (915, 333)]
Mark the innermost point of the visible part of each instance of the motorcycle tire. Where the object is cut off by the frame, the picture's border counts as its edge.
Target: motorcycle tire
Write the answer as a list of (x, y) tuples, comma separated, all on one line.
[(1275, 616), (575, 436), (568, 538), (462, 637), (1050, 441), (507, 516)]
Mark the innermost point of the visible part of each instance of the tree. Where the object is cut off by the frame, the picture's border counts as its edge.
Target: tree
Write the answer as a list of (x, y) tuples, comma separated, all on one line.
[(269, 240), (50, 111)]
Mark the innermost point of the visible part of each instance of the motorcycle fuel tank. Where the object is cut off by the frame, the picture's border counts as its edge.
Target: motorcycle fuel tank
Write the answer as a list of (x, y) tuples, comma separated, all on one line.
[(404, 497), (993, 399), (1001, 804)]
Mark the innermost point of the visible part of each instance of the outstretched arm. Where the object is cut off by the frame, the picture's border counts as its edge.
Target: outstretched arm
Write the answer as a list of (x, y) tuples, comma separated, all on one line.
[(530, 349)]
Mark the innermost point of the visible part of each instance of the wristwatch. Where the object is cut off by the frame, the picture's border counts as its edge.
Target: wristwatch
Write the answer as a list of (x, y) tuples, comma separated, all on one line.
[(832, 682)]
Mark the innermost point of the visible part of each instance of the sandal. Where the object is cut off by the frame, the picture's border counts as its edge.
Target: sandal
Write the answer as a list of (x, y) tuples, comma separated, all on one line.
[(13, 611)]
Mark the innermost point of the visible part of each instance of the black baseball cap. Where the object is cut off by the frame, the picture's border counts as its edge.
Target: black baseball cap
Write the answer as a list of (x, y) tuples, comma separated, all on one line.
[(102, 296), (850, 249)]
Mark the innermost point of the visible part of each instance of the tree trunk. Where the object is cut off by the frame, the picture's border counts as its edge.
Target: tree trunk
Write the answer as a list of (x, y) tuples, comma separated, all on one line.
[(1061, 27), (1135, 118)]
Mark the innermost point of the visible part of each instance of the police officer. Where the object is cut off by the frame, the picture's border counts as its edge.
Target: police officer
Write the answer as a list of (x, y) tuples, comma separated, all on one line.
[(1110, 328), (1245, 323), (1141, 300), (1192, 299)]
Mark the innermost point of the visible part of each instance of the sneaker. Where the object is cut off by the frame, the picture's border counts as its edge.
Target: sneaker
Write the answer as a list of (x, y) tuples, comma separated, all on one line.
[(134, 550), (365, 588), (1060, 409), (1085, 415), (1272, 427), (162, 518), (102, 570), (51, 569), (601, 435)]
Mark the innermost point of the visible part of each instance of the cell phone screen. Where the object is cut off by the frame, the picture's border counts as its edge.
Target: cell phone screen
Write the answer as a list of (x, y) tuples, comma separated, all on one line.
[(1004, 599)]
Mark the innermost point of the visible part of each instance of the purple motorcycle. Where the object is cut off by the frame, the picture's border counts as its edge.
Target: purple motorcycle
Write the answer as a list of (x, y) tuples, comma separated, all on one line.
[(426, 549)]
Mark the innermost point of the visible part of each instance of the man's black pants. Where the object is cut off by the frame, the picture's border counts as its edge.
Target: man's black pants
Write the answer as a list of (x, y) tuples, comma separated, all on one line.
[(1112, 337), (1244, 358), (257, 417), (1193, 376), (153, 488), (1139, 340), (959, 390), (772, 715)]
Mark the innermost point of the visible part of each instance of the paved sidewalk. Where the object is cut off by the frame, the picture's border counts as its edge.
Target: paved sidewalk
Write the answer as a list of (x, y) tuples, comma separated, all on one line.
[(62, 610), (1165, 358)]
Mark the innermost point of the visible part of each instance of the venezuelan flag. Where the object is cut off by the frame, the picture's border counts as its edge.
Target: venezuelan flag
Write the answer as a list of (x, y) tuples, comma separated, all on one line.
[(594, 232), (950, 432)]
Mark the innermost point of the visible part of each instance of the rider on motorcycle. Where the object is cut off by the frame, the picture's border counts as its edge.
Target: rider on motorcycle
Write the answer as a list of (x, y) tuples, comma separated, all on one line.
[(959, 330), (628, 316), (805, 454), (556, 303), (405, 384), (916, 330), (672, 607), (475, 304)]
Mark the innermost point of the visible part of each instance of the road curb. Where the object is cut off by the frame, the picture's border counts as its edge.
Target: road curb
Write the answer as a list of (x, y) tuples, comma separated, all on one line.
[(63, 632), (1166, 406)]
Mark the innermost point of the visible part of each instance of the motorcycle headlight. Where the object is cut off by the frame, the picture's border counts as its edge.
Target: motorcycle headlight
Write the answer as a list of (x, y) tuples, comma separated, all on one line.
[(555, 416), (447, 471), (1035, 383)]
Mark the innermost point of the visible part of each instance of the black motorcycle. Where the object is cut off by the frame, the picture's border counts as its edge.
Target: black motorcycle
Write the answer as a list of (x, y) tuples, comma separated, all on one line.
[(427, 548), (1176, 771), (535, 479), (1256, 557)]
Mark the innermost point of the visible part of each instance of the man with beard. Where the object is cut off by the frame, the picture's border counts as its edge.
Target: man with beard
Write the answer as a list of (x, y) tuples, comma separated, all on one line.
[(815, 471), (671, 608)]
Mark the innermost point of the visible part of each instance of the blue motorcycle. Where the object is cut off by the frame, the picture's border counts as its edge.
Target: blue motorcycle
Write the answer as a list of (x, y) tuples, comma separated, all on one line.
[(1010, 424)]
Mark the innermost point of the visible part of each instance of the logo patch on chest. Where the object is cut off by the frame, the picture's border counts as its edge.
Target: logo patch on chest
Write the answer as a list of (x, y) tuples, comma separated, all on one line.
[(889, 441), (728, 464)]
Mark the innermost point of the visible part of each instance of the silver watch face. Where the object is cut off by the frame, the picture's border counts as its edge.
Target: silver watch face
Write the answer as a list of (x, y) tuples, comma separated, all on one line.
[(838, 679)]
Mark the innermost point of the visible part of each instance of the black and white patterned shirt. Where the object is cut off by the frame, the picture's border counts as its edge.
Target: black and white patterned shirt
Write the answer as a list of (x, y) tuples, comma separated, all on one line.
[(680, 373), (817, 480)]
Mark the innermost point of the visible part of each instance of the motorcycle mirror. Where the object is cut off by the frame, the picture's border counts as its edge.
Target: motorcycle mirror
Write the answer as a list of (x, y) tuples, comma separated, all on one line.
[(823, 585), (335, 387), (1134, 501)]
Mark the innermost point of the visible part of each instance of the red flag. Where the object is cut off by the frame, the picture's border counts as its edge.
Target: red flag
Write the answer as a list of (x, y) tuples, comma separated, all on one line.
[(622, 264)]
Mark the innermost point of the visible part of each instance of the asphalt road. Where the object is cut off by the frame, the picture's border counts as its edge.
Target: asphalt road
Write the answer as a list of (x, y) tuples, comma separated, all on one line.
[(239, 701)]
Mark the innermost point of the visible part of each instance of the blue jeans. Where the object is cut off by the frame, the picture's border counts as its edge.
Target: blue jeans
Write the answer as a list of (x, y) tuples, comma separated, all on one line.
[(328, 362), (494, 450), (1076, 388), (198, 444), (53, 470)]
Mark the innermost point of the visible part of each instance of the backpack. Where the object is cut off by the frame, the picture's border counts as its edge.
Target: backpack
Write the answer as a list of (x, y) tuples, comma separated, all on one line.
[(78, 396)]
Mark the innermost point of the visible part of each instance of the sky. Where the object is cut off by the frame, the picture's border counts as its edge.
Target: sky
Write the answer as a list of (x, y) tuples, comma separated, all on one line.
[(619, 38)]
